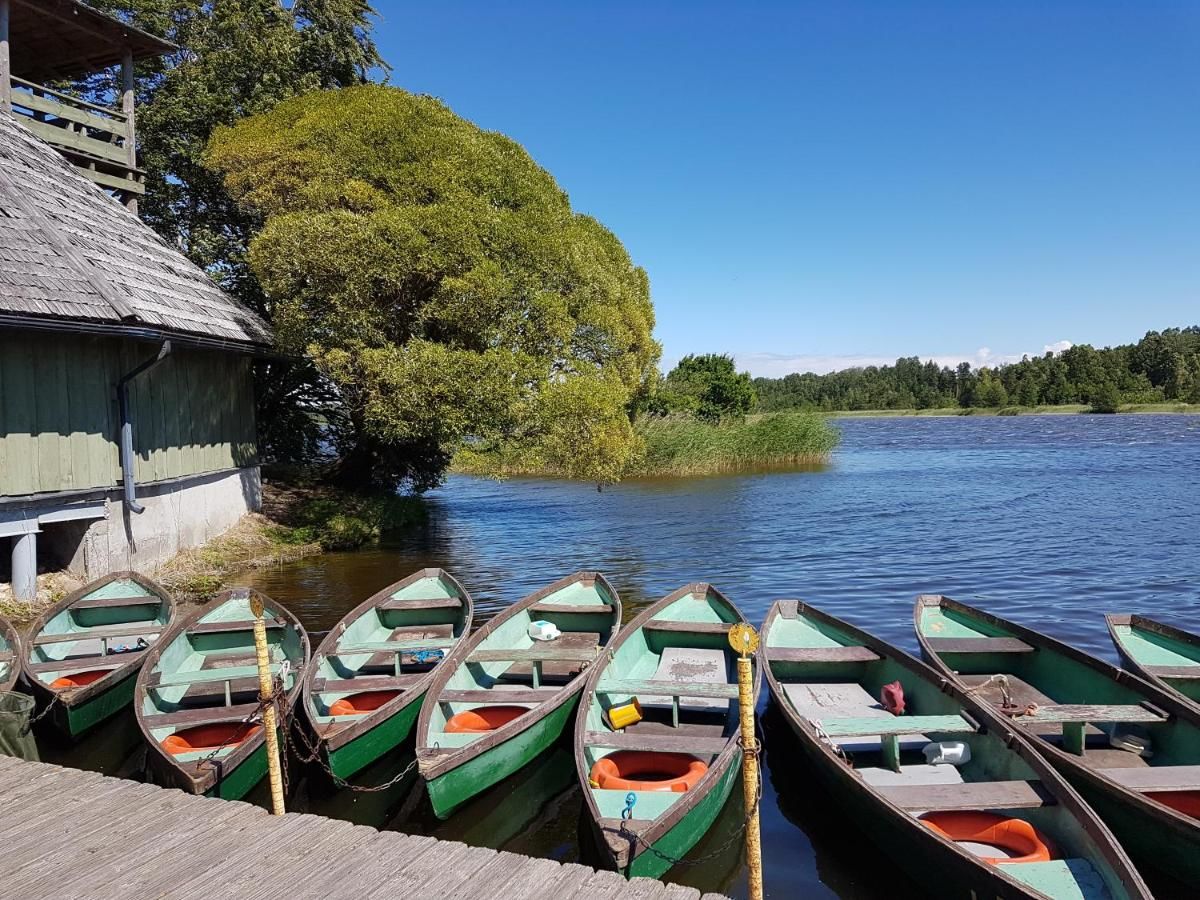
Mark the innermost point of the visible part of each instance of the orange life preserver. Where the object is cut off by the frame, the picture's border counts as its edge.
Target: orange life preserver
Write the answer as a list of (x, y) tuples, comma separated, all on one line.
[(636, 770), (362, 702), (208, 737), (483, 718), (79, 679), (1015, 835)]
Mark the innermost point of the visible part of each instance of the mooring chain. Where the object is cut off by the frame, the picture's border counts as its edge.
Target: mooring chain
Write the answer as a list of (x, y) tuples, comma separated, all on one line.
[(725, 845), (314, 755), (237, 733), (33, 720)]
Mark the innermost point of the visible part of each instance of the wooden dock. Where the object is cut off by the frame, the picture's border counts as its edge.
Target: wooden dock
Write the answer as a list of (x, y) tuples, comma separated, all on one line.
[(67, 833)]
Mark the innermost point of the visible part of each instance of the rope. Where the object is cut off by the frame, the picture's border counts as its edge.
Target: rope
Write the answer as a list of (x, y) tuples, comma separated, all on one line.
[(1006, 704), (824, 737)]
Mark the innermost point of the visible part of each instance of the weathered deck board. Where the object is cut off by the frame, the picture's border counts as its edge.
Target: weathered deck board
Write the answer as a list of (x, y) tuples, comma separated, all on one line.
[(73, 834)]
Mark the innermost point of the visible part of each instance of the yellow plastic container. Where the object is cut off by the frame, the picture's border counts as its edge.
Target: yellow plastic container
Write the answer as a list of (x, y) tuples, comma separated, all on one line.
[(622, 716)]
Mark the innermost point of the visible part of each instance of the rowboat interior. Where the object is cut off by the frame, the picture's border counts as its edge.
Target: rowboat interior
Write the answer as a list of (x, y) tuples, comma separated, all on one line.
[(1160, 651), (679, 667), (1103, 720), (508, 673), (387, 650), (204, 684), (103, 630), (835, 683)]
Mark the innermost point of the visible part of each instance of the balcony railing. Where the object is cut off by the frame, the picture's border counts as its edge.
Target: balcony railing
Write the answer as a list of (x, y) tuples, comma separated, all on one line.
[(97, 139)]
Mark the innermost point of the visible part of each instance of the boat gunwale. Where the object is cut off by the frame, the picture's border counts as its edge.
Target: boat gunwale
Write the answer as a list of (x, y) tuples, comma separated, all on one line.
[(213, 774), (71, 697), (1165, 699), (354, 730), (662, 824), (16, 646), (991, 722), (1155, 626), (433, 766)]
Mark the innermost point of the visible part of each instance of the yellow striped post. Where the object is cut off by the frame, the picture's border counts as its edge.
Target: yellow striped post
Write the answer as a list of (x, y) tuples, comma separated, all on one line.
[(265, 688), (744, 639)]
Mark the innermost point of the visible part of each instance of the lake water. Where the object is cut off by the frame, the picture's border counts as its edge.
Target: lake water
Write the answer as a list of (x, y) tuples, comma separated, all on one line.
[(1049, 520)]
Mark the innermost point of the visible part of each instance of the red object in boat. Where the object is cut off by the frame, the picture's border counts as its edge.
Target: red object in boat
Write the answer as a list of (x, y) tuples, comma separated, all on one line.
[(892, 698), (79, 679), (483, 718), (209, 737), (362, 702), (1186, 802), (1014, 835), (637, 770)]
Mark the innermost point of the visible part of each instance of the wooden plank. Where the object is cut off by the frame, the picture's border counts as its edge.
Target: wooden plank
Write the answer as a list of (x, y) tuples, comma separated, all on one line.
[(528, 695), (869, 725), (70, 112), (1079, 712), (358, 648), (85, 663), (971, 795), (204, 715), (205, 676), (707, 690), (367, 683), (821, 654), (1174, 671), (232, 626), (721, 628), (536, 654), (124, 630), (655, 743), (53, 134), (979, 645), (589, 609), (399, 603), (1156, 778), (115, 602)]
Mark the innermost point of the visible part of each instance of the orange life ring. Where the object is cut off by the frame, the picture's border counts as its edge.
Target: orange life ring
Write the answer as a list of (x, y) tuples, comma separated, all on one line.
[(362, 702), (209, 737), (78, 679), (483, 718), (1014, 835), (636, 770)]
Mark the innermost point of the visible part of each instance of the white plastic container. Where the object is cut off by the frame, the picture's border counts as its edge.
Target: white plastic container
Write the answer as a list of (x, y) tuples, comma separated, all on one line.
[(947, 753), (542, 630), (1133, 743)]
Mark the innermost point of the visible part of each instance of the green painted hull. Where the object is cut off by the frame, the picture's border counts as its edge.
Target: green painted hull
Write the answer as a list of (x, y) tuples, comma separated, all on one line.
[(75, 721), (237, 783), (687, 831), (351, 758), (451, 789)]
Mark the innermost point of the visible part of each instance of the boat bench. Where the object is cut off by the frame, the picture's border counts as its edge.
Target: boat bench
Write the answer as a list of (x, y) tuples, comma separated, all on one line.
[(890, 730), (704, 690), (366, 683), (101, 633), (396, 604), (232, 626), (498, 695), (1174, 671), (411, 645), (1075, 718), (86, 663), (968, 795), (234, 679), (1151, 779), (656, 743), (576, 609), (537, 655), (979, 645), (681, 627), (206, 715), (821, 654), (114, 602)]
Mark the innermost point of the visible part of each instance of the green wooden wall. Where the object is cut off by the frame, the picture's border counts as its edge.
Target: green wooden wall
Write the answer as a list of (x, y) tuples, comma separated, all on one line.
[(59, 424)]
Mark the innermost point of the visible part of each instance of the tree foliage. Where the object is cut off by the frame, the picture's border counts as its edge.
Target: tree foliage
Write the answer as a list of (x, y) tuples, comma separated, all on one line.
[(707, 386), (1161, 366), (440, 279)]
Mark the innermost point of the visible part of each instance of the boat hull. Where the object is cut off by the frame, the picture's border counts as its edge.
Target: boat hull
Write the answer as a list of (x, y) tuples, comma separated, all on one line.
[(449, 790), (232, 784), (355, 755), (76, 720)]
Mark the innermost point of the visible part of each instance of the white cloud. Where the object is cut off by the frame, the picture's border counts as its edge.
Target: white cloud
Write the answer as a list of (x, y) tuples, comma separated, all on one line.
[(1057, 347), (776, 365)]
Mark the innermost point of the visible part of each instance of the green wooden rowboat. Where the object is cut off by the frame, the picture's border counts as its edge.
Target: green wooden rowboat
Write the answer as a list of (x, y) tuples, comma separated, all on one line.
[(826, 677), (675, 658), (1088, 718), (502, 698), (85, 651), (371, 672), (1160, 653), (196, 699), (10, 655)]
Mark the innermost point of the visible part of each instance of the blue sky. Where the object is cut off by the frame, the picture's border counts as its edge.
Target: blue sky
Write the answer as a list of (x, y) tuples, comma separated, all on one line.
[(817, 185)]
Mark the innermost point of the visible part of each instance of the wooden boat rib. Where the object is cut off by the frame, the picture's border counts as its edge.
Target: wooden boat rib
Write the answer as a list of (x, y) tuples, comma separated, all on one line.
[(196, 699), (10, 655), (680, 762), (364, 690), (1162, 654), (501, 698), (84, 652), (825, 676), (1085, 716)]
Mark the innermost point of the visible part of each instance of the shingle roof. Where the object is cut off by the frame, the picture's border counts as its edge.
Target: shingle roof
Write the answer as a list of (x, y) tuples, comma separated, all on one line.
[(68, 251)]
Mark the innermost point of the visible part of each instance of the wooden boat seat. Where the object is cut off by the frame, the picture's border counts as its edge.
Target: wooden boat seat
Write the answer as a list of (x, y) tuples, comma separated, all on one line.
[(816, 702), (367, 683), (656, 743), (721, 628), (205, 676), (1023, 694), (821, 654), (536, 672), (979, 645), (537, 653), (1151, 779), (499, 694), (407, 645), (590, 609), (233, 626), (398, 603), (909, 775), (675, 689), (115, 602), (1175, 671), (968, 795), (206, 715), (897, 725), (102, 632), (85, 663), (1074, 713)]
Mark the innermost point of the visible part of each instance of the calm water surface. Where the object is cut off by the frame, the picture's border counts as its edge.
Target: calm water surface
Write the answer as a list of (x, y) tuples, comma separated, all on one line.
[(1050, 520)]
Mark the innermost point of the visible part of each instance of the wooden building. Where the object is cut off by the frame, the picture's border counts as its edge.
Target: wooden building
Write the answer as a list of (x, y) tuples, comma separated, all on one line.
[(126, 394)]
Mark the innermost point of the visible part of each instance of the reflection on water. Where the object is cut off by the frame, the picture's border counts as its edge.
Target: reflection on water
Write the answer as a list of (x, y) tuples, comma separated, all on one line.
[(1050, 520)]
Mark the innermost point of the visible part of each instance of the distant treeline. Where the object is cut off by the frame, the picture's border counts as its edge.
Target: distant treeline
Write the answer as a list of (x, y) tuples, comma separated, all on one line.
[(1161, 366)]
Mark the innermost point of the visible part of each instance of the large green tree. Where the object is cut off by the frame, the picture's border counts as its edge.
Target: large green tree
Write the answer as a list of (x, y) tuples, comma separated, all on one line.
[(710, 387), (440, 279)]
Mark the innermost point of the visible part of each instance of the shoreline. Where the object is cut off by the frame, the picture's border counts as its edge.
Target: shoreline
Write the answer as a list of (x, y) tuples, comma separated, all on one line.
[(1071, 409)]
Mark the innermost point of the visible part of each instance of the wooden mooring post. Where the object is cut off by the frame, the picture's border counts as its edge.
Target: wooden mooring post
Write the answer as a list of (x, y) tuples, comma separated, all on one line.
[(266, 694), (744, 639)]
